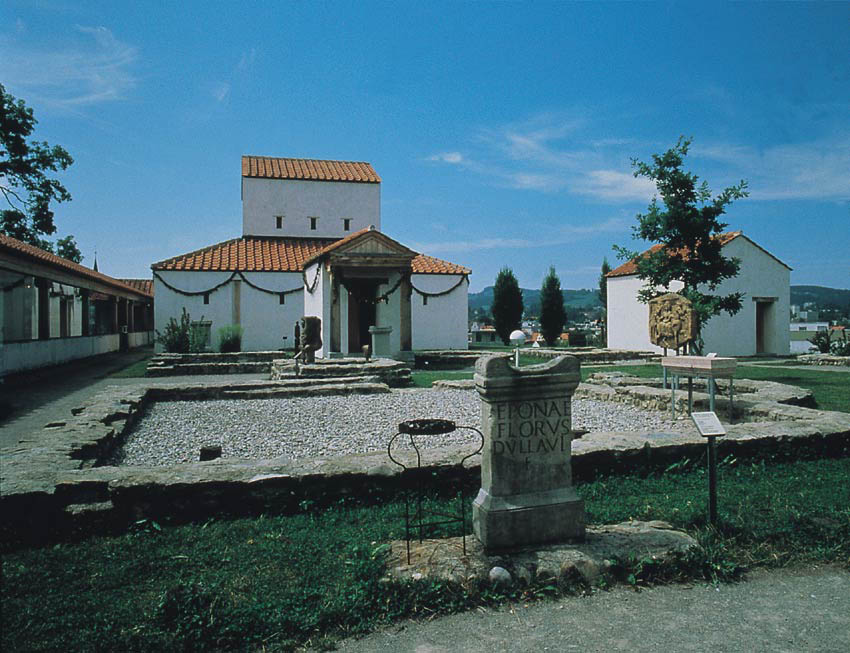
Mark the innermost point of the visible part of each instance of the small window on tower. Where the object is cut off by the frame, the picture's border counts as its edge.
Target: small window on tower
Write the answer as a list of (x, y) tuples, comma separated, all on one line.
[(279, 221), (282, 298), (314, 222), (206, 298), (346, 224), (424, 300)]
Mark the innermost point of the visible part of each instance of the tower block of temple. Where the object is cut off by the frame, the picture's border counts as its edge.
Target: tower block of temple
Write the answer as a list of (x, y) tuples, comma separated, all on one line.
[(526, 496)]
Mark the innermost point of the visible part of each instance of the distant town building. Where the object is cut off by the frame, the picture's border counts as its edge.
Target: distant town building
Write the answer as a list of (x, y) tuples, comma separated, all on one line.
[(760, 327)]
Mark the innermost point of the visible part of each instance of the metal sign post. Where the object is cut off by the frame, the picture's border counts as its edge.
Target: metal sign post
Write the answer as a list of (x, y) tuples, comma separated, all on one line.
[(710, 427)]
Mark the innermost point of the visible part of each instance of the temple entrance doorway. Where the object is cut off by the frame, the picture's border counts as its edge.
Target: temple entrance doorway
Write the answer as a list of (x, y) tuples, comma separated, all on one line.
[(361, 312)]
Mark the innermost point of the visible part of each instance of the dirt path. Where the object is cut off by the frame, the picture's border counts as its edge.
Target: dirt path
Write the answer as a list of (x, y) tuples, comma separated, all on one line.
[(801, 610)]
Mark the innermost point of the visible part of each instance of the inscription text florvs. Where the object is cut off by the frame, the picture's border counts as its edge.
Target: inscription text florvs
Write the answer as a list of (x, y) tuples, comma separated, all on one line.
[(531, 427)]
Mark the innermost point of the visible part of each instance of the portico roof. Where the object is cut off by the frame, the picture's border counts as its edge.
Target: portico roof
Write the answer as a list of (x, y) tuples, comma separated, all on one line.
[(23, 258)]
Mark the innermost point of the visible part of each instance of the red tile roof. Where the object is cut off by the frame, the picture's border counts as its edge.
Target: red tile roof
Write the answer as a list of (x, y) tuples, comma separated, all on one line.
[(143, 285), (24, 250), (630, 267), (249, 254), (267, 167), (269, 254), (429, 265)]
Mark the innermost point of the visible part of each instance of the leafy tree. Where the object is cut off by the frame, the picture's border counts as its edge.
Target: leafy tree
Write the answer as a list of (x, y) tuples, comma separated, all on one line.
[(25, 183), (603, 297), (552, 313), (507, 304), (603, 283), (686, 226)]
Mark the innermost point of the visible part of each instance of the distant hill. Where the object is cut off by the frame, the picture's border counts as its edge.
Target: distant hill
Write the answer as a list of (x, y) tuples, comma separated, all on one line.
[(531, 299), (820, 295)]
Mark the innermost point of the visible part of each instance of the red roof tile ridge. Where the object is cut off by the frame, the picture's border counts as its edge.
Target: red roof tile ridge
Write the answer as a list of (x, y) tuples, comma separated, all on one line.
[(630, 267), (209, 248)]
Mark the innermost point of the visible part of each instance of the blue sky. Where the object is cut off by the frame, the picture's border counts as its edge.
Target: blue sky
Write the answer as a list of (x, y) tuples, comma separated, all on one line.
[(503, 132)]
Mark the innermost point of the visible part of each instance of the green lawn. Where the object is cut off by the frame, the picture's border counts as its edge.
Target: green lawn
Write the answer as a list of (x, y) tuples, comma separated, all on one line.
[(134, 370), (831, 389), (276, 582)]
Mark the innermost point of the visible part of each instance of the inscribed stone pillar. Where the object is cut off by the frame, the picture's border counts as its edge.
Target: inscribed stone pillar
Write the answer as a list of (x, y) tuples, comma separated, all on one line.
[(526, 496)]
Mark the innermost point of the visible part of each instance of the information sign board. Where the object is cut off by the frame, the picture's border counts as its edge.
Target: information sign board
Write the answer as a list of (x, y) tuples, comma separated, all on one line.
[(708, 424)]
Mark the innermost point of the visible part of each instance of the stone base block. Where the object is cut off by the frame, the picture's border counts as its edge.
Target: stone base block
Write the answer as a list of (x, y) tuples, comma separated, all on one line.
[(505, 523)]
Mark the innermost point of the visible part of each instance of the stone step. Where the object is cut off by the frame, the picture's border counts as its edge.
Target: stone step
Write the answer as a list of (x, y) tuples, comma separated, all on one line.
[(394, 373)]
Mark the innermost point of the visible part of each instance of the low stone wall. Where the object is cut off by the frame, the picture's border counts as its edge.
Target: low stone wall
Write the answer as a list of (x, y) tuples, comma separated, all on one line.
[(447, 359), (50, 482), (241, 362), (453, 359), (395, 374), (594, 354), (824, 359), (648, 394)]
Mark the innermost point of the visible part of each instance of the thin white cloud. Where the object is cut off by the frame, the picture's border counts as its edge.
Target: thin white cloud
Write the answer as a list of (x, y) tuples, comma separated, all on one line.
[(246, 61), (811, 170), (548, 154), (221, 90), (562, 236), (96, 67), (615, 185), (453, 158)]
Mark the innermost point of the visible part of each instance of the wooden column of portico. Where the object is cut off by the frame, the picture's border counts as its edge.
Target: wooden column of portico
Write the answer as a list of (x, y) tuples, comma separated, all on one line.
[(43, 286), (405, 319), (336, 327), (84, 309)]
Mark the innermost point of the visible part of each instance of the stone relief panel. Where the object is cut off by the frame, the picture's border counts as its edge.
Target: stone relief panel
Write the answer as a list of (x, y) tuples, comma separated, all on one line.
[(672, 321)]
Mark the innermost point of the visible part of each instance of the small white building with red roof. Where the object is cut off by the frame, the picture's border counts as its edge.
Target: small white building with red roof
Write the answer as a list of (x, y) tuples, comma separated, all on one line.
[(760, 327), (312, 245)]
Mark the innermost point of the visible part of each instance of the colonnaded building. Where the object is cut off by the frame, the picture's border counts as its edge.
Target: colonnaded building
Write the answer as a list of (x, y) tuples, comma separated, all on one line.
[(760, 327), (312, 245)]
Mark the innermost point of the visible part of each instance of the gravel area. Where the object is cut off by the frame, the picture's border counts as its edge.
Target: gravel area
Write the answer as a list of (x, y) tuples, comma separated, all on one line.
[(174, 432)]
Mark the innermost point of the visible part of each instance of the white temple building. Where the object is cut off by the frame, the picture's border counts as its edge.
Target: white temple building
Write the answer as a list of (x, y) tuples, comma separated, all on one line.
[(760, 327), (312, 245)]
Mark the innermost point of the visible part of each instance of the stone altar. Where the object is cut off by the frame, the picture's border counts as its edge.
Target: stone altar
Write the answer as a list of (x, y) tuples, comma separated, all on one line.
[(526, 496), (672, 321), (311, 337)]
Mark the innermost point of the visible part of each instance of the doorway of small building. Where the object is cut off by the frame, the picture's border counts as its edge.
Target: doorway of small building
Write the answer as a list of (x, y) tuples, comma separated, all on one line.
[(361, 312), (763, 321)]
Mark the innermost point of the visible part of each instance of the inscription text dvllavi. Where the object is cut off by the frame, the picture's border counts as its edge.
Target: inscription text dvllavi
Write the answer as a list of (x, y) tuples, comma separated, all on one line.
[(525, 428)]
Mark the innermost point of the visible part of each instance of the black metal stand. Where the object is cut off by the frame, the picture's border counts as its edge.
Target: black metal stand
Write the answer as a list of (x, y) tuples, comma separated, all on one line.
[(712, 480), (423, 520)]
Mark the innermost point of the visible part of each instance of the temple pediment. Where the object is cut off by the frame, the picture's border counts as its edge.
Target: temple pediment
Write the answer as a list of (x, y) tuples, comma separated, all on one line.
[(366, 248)]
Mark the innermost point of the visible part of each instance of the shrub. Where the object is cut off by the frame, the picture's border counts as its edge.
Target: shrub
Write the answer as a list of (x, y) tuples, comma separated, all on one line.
[(821, 342), (175, 336), (841, 345), (578, 339), (230, 338), (199, 336)]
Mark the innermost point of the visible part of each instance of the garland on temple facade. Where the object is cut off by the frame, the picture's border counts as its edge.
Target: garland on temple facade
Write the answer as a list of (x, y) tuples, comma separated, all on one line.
[(192, 293)]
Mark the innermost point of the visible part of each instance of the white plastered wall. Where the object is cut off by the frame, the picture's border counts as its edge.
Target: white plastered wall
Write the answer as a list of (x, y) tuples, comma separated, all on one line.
[(760, 276), (263, 319), (442, 323), (628, 318), (296, 200), (317, 303)]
